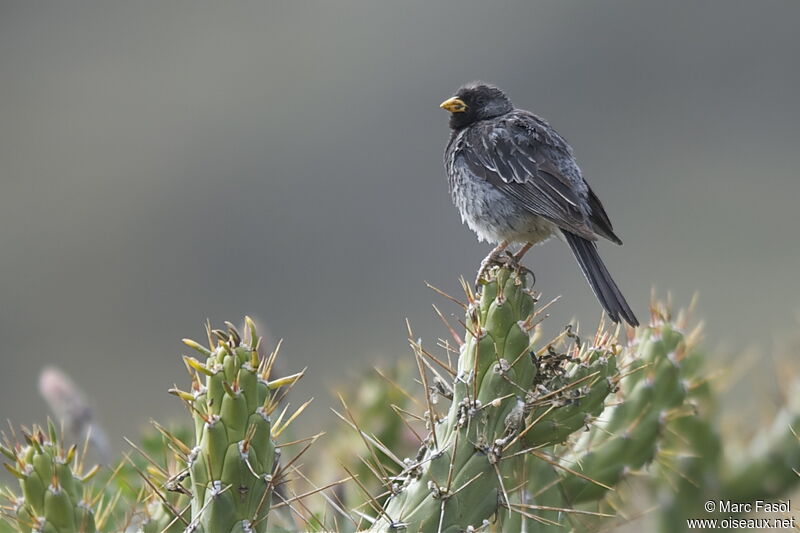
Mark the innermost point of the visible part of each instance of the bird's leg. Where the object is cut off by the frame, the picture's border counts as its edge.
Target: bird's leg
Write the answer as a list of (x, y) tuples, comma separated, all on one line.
[(489, 260), (519, 255)]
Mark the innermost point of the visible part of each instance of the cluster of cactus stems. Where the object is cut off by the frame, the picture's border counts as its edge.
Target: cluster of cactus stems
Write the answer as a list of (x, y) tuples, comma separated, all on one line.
[(509, 434), (585, 418), (650, 393), (55, 496)]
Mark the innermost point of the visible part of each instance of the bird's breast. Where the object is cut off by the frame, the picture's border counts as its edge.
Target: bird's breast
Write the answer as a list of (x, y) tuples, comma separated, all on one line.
[(490, 213)]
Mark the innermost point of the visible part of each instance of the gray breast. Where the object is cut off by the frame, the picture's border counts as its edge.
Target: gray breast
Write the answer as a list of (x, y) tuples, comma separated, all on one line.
[(490, 213)]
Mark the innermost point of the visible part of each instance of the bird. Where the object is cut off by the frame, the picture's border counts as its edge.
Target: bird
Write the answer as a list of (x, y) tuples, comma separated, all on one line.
[(514, 179)]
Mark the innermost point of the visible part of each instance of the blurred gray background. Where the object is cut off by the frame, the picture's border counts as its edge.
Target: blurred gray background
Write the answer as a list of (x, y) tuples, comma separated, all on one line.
[(164, 162)]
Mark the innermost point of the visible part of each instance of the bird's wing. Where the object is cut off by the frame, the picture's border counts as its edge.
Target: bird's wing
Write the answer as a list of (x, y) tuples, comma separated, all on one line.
[(526, 159)]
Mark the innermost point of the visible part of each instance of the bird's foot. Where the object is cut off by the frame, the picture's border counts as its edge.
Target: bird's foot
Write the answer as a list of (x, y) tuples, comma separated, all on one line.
[(500, 258), (488, 262), (514, 263)]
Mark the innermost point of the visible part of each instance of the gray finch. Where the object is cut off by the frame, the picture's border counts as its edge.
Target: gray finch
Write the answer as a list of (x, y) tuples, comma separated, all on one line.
[(514, 180)]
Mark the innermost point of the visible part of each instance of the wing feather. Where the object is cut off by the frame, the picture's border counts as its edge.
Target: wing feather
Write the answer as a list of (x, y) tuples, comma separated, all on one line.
[(527, 160)]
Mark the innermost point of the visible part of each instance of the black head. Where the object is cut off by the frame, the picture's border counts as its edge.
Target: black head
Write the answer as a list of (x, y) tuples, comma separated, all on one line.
[(476, 101)]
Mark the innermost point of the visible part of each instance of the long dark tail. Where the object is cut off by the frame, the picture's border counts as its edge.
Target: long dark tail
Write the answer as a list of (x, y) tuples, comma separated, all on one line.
[(600, 280)]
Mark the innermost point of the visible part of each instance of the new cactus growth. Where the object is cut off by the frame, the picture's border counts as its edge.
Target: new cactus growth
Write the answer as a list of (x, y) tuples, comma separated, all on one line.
[(55, 497), (233, 466)]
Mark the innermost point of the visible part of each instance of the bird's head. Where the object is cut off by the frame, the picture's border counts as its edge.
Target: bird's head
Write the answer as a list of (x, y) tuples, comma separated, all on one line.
[(476, 101)]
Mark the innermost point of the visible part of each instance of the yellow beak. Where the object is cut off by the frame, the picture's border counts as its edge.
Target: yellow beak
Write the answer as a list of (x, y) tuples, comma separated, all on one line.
[(454, 105)]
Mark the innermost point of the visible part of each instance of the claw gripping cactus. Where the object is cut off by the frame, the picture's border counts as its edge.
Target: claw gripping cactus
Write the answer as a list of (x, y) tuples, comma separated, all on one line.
[(55, 497), (505, 400), (233, 465)]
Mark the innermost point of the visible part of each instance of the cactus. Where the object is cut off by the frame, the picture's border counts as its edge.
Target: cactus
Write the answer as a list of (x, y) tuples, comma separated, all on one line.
[(535, 438), (646, 406), (771, 461), (503, 402), (624, 438), (689, 459), (698, 463), (627, 438), (233, 467), (55, 495)]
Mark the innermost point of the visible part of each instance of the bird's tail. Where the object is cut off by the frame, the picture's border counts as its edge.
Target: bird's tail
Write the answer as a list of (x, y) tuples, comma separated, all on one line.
[(600, 280)]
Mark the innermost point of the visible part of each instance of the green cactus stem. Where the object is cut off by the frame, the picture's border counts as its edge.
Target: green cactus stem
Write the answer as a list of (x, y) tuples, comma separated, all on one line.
[(505, 400), (233, 466)]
